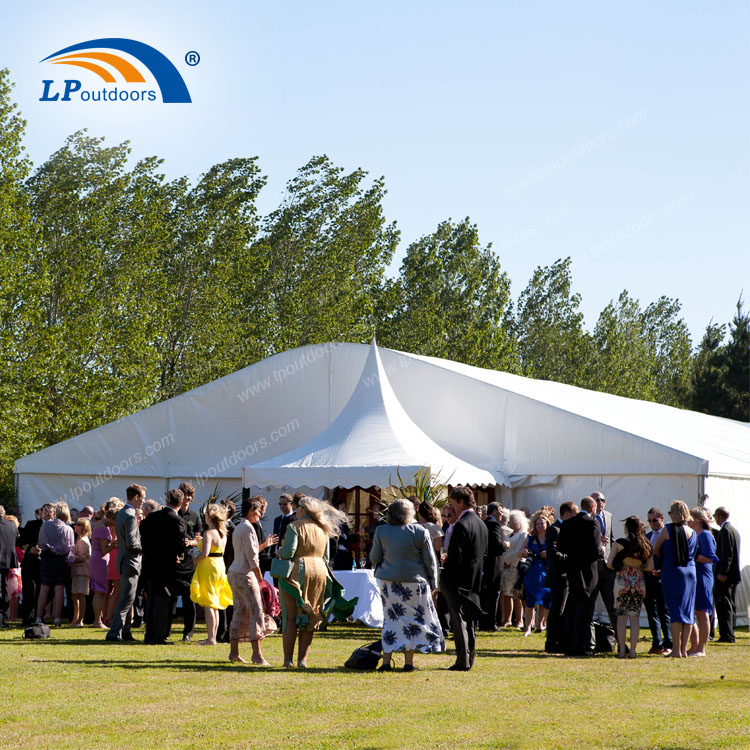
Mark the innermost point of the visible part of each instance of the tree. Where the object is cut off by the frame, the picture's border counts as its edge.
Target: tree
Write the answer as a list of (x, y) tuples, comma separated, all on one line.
[(642, 354), (324, 251), (721, 372), (16, 232), (670, 349), (548, 326), (205, 266), (737, 358), (709, 391), (83, 334), (450, 300)]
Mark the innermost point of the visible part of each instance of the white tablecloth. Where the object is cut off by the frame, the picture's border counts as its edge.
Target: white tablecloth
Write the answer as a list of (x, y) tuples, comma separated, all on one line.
[(360, 583)]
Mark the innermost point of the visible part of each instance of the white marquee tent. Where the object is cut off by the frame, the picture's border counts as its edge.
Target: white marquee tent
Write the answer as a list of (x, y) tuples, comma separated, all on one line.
[(545, 441), (370, 443)]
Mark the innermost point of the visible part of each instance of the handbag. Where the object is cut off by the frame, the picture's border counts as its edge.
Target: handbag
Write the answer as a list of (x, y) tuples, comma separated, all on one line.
[(365, 657), (36, 631), (281, 568)]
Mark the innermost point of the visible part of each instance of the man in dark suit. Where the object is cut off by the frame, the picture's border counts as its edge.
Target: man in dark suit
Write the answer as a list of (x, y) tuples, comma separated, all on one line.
[(580, 540), (8, 536), (281, 522), (461, 580), (557, 580), (493, 567), (128, 563), (656, 608), (164, 540), (30, 565), (727, 572)]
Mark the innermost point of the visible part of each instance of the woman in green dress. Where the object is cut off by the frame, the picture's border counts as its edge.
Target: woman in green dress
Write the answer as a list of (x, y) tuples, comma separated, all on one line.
[(303, 590)]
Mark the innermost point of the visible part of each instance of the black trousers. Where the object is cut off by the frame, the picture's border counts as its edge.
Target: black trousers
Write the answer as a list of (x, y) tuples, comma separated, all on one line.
[(4, 598), (158, 613), (224, 624), (657, 613), (462, 626), (30, 586), (726, 608), (555, 642), (182, 588), (579, 612), (490, 596)]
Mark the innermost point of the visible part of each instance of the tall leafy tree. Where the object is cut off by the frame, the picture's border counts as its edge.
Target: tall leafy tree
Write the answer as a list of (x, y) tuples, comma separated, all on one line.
[(549, 328), (670, 351), (737, 358), (721, 372), (450, 300), (710, 394), (85, 331), (16, 232), (206, 264), (642, 354), (324, 251)]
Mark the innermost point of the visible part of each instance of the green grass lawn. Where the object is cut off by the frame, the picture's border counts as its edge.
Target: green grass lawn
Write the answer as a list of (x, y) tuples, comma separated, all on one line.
[(75, 691)]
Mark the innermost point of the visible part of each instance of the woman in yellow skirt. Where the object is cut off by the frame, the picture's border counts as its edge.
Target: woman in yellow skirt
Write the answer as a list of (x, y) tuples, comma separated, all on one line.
[(210, 587)]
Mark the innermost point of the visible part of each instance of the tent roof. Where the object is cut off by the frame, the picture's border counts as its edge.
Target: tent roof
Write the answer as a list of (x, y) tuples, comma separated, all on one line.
[(722, 444), (506, 424), (371, 442)]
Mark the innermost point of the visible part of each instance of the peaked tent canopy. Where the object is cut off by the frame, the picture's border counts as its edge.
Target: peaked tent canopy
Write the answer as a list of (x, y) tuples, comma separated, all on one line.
[(371, 443)]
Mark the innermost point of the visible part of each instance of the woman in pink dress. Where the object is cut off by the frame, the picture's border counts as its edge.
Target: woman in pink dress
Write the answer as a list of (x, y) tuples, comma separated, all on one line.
[(101, 546)]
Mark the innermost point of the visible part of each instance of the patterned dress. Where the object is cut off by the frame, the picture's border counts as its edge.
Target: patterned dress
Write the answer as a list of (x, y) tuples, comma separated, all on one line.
[(410, 621)]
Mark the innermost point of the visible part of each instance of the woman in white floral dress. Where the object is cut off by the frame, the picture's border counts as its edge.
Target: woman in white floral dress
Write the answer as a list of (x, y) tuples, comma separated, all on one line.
[(405, 564)]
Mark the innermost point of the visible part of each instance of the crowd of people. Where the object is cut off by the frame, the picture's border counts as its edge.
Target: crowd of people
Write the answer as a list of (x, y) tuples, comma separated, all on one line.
[(440, 575)]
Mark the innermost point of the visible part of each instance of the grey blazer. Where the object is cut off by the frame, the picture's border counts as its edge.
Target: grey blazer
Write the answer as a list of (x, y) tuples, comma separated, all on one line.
[(607, 536), (404, 553), (128, 539)]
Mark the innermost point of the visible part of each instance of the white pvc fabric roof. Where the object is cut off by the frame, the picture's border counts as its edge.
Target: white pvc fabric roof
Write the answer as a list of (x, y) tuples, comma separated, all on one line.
[(372, 442), (509, 426)]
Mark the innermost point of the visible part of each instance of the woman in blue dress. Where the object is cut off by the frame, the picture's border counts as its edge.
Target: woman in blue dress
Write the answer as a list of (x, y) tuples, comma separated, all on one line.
[(677, 545), (535, 587), (704, 571)]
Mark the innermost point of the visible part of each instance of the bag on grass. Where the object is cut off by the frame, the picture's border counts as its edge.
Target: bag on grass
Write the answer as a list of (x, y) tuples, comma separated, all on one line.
[(365, 657), (604, 638), (37, 630)]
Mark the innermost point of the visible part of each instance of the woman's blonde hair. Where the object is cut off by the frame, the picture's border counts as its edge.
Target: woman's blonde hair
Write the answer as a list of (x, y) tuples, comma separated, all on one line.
[(62, 512), (541, 513), (85, 526), (321, 513), (218, 515), (701, 514), (680, 510)]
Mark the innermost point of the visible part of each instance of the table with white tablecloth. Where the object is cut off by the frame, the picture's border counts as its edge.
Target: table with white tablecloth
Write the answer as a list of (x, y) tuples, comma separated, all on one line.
[(364, 585)]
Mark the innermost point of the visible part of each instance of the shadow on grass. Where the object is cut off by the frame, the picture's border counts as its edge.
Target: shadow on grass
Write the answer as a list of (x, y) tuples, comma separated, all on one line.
[(518, 653), (192, 666)]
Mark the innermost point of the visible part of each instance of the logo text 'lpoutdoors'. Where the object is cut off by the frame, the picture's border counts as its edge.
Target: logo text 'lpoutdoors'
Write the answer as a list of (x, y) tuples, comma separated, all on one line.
[(96, 57)]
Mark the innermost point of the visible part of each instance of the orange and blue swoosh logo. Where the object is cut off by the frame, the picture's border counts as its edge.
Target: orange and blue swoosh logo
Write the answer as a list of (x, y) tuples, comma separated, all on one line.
[(114, 68)]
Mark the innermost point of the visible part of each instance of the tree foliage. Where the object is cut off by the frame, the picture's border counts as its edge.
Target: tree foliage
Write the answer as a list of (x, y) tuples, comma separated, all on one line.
[(721, 372), (549, 328), (449, 300), (324, 252)]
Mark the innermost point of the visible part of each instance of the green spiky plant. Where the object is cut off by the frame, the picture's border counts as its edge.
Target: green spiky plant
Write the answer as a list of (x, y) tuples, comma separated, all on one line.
[(215, 498)]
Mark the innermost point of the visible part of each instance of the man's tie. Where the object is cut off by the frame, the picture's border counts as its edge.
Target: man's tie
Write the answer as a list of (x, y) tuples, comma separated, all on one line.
[(601, 522)]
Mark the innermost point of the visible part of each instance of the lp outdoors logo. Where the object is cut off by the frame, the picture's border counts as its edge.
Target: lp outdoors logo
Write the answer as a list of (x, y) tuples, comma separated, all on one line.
[(118, 70)]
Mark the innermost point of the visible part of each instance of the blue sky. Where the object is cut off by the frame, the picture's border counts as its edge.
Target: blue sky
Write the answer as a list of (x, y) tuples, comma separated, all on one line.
[(613, 132)]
